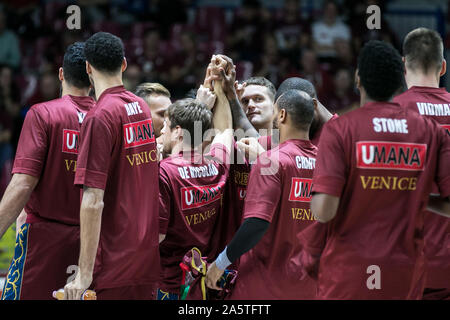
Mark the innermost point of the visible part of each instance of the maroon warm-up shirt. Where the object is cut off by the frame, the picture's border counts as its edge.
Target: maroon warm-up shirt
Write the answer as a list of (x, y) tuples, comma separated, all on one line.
[(380, 160), (433, 103), (279, 191), (236, 190), (190, 205), (48, 149), (118, 154)]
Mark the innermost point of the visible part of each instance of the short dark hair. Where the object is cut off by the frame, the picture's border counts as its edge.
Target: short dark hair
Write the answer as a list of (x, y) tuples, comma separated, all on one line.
[(104, 51), (300, 107), (380, 70), (74, 66), (423, 50), (298, 84), (185, 112), (261, 81)]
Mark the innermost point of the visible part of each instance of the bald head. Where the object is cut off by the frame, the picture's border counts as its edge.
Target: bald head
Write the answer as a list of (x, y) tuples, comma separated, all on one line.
[(297, 84)]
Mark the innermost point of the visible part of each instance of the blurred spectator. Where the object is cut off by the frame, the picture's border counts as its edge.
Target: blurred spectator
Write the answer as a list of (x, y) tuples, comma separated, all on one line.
[(186, 66), (132, 77), (246, 36), (9, 45), (271, 64), (48, 89), (152, 60), (291, 31), (312, 71), (358, 22), (167, 13), (345, 57), (327, 31), (343, 97), (9, 113)]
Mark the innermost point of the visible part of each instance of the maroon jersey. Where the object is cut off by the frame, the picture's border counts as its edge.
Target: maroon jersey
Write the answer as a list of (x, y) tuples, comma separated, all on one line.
[(279, 191), (433, 103), (47, 149), (190, 204), (118, 154), (380, 160), (316, 138), (235, 192)]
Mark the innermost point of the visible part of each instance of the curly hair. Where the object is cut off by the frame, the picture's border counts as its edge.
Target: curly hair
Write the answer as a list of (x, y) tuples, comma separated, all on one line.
[(104, 51), (74, 66), (186, 113), (380, 70)]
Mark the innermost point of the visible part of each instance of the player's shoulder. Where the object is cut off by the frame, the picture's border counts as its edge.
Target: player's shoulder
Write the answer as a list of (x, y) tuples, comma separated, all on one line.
[(404, 96), (47, 105), (46, 109)]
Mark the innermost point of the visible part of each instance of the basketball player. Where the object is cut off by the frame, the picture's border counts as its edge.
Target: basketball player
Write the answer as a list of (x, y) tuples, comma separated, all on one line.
[(47, 245), (375, 166)]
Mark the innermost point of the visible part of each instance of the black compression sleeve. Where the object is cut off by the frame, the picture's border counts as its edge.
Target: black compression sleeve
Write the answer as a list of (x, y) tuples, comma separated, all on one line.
[(247, 236)]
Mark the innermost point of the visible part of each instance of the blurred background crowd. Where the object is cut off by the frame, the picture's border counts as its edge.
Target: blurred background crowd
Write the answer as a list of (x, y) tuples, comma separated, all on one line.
[(171, 42)]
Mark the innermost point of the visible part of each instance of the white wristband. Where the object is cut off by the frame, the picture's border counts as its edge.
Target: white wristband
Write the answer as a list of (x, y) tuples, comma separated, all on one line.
[(222, 261)]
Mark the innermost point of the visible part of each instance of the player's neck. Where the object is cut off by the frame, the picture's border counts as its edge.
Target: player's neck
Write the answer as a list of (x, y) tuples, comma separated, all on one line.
[(264, 130), (102, 83), (73, 91), (181, 147), (421, 80), (290, 133)]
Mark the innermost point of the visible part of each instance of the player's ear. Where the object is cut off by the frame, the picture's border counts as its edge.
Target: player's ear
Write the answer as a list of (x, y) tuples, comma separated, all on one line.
[(61, 74), (178, 132), (443, 68), (316, 104), (404, 64), (88, 68), (357, 80), (282, 116), (124, 64)]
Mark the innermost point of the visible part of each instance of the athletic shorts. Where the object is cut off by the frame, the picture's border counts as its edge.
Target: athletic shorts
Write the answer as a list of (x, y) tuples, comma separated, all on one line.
[(164, 295), (142, 292), (45, 259)]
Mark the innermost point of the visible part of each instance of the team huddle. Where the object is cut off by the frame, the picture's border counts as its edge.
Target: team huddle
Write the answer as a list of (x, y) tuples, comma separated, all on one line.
[(244, 191)]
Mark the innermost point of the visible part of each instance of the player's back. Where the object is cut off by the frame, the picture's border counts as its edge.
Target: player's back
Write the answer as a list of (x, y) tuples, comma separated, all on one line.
[(118, 155), (48, 149), (390, 157), (192, 187), (433, 103), (279, 191)]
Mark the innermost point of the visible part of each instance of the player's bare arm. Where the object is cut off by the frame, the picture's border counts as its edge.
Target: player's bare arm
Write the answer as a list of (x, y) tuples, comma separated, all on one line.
[(15, 198), (232, 90), (90, 223), (21, 219), (324, 206), (222, 118), (439, 205)]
